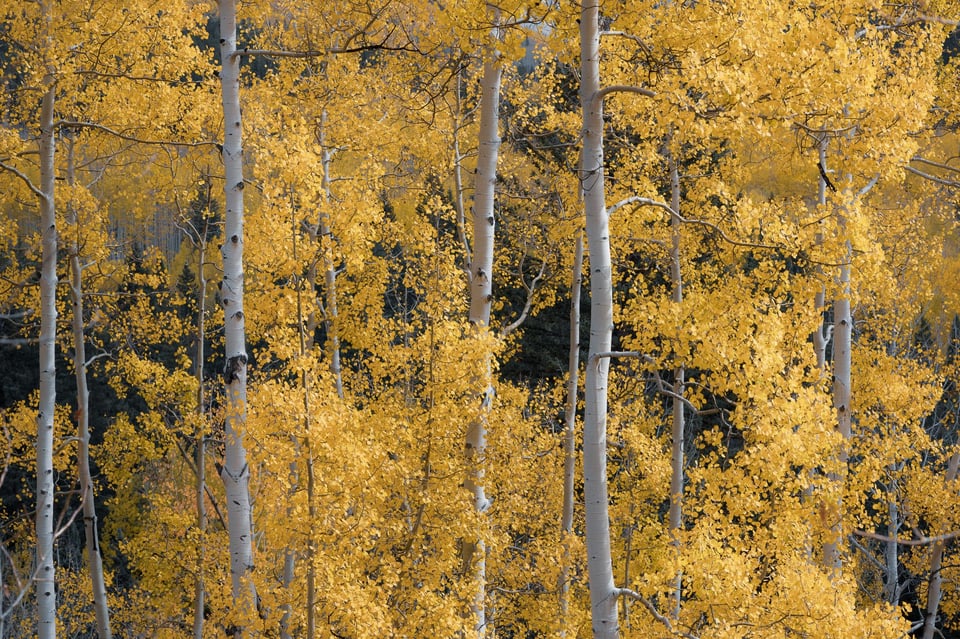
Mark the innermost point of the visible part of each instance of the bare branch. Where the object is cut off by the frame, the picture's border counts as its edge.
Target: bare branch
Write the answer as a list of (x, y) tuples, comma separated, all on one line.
[(628, 36), (531, 289), (918, 541), (23, 176), (631, 594), (132, 138), (623, 88), (726, 238), (932, 178), (939, 165)]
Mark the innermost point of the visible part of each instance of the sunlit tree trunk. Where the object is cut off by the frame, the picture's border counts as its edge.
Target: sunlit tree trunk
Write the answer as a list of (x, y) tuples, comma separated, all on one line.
[(603, 596), (235, 471), (570, 435), (87, 495), (935, 583), (481, 291), (46, 574)]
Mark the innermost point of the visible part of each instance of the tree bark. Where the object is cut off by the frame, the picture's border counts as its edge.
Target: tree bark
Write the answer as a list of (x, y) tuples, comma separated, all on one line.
[(603, 594), (235, 471), (199, 587), (935, 585), (88, 497), (675, 514), (46, 572), (481, 295), (570, 434)]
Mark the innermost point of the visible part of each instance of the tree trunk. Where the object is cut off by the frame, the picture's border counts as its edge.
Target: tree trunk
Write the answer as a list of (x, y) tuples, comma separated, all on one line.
[(603, 599), (935, 585), (675, 514), (570, 434), (199, 587), (87, 499), (46, 573), (235, 472), (481, 290)]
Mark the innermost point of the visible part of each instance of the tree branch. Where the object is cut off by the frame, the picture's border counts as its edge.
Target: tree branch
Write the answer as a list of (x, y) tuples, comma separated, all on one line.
[(132, 138), (631, 594), (932, 178), (26, 180), (623, 88), (920, 541), (726, 238)]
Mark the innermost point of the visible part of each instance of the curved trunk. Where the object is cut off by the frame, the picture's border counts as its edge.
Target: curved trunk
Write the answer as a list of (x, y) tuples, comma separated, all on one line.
[(935, 587), (603, 599), (87, 496)]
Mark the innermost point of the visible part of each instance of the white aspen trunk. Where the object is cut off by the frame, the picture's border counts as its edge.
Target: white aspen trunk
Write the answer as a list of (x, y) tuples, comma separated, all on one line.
[(46, 572), (821, 336), (603, 594), (330, 271), (570, 435), (842, 341), (199, 587), (935, 585), (235, 471), (88, 497), (891, 583), (481, 295), (675, 514)]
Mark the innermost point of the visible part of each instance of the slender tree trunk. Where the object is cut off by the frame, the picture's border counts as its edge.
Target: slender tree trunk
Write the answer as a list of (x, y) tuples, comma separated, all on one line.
[(199, 587), (481, 292), (46, 573), (570, 435), (891, 582), (329, 268), (935, 585), (603, 594), (842, 341), (235, 471), (88, 497), (676, 455)]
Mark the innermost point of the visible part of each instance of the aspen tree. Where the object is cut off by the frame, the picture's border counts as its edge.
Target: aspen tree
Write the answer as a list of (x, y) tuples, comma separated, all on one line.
[(235, 471), (45, 570), (603, 595), (88, 496), (481, 295)]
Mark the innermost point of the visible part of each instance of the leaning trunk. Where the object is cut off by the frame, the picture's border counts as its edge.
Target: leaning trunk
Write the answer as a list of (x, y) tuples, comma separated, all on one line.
[(935, 585), (603, 599), (87, 496), (235, 472)]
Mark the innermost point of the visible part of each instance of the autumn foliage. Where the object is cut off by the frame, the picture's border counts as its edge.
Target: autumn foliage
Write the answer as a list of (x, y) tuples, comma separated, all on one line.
[(777, 389)]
